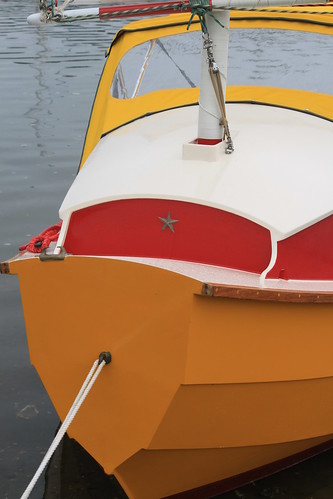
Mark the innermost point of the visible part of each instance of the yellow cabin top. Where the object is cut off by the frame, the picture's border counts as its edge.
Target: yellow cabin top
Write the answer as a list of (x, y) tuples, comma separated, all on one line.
[(110, 112)]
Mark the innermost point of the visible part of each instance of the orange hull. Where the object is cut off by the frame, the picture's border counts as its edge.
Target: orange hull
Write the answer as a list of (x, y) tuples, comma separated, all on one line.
[(200, 388)]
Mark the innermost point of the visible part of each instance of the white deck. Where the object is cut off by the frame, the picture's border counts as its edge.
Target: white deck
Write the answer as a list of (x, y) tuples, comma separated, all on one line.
[(280, 175)]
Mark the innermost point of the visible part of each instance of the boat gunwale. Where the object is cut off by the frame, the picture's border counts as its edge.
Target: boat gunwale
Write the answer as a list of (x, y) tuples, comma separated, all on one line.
[(265, 294), (211, 289)]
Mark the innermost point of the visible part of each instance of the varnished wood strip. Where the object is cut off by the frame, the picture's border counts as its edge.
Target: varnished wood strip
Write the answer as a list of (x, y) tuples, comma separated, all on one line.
[(278, 295), (4, 268)]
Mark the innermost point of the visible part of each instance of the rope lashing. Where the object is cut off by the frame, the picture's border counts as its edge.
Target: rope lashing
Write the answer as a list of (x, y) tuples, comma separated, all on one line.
[(200, 8), (197, 7), (51, 12), (47, 8), (103, 359), (43, 240), (176, 6)]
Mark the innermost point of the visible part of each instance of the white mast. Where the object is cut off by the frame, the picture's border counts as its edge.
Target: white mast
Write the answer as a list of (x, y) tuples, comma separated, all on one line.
[(210, 129)]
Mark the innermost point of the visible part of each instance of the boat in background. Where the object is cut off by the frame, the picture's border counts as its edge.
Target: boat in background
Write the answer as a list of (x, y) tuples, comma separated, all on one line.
[(200, 256)]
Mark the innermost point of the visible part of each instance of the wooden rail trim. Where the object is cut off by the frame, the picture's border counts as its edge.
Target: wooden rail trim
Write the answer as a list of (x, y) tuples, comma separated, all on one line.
[(4, 268), (264, 294)]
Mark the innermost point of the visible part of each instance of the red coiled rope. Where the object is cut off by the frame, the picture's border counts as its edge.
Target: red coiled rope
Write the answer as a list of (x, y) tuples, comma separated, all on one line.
[(43, 240)]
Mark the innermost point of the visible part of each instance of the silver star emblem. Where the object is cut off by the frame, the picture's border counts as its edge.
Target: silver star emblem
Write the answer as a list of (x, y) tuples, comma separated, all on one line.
[(168, 222)]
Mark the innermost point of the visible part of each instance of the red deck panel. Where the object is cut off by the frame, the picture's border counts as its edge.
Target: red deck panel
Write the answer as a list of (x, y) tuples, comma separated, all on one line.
[(201, 234)]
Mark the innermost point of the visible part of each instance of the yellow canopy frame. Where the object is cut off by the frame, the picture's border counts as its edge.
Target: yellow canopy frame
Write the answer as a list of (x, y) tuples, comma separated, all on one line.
[(109, 113)]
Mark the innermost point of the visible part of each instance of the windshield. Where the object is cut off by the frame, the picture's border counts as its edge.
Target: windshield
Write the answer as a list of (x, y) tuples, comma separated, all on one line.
[(276, 58), (168, 62)]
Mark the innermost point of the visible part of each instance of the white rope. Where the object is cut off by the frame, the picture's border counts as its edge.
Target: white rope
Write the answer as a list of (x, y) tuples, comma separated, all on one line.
[(85, 389)]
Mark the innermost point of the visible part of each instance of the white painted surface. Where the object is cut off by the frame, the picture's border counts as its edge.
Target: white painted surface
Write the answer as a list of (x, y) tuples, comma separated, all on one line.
[(209, 126), (280, 175)]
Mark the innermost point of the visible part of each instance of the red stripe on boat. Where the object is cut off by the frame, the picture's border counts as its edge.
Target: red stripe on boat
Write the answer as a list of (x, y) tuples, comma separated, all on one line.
[(202, 234), (307, 254)]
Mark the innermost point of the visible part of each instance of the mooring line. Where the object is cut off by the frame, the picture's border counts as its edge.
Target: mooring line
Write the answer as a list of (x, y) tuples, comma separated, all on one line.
[(103, 359)]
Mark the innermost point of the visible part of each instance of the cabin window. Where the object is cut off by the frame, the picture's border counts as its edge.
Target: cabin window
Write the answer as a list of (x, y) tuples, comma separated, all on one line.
[(168, 62), (281, 58), (260, 57)]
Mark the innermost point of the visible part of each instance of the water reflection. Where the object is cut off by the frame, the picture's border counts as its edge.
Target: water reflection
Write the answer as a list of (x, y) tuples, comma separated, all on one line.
[(43, 97)]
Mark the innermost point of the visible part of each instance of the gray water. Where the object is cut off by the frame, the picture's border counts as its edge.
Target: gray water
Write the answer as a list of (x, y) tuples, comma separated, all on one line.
[(48, 78)]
